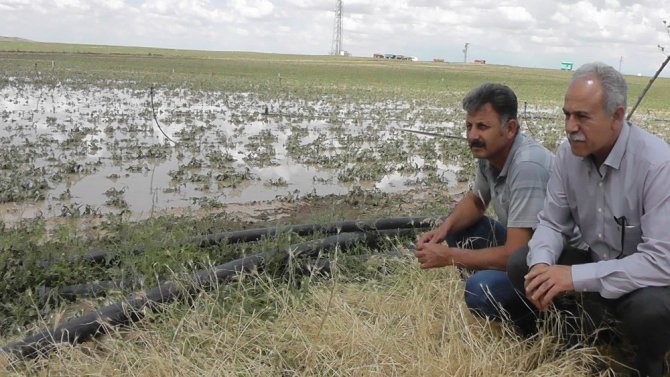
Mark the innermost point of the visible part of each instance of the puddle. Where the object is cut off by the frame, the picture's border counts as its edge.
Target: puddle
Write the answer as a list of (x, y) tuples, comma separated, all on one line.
[(68, 149)]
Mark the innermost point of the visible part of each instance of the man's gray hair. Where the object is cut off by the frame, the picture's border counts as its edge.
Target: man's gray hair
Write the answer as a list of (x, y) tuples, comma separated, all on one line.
[(615, 89)]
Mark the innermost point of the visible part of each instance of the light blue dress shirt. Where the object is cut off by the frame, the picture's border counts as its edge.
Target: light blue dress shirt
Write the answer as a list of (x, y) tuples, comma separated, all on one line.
[(630, 193)]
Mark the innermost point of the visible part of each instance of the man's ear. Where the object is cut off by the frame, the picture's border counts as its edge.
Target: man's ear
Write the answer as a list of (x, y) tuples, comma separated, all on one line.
[(512, 128), (619, 113)]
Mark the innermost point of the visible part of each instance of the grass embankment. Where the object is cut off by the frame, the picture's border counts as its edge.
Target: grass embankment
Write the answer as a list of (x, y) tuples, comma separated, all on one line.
[(374, 317), (387, 319), (371, 318)]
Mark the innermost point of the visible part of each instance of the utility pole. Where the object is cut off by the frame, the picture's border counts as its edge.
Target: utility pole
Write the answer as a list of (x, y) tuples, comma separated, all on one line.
[(620, 61), (465, 53), (336, 48)]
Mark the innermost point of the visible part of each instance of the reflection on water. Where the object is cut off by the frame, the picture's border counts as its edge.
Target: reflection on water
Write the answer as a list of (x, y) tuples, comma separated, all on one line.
[(83, 142)]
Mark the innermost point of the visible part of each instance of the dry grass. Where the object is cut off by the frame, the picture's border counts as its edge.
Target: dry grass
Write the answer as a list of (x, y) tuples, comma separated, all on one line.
[(397, 321)]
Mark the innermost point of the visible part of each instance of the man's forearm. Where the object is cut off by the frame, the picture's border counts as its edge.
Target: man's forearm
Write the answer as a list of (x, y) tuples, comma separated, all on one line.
[(491, 258), (495, 257), (466, 213), (545, 246)]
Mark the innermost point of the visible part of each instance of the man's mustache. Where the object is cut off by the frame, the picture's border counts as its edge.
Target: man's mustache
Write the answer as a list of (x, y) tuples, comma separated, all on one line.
[(477, 144), (576, 136)]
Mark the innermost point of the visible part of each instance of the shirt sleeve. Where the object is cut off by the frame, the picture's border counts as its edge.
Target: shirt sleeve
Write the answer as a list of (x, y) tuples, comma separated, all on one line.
[(480, 187), (649, 264), (555, 219), (527, 186)]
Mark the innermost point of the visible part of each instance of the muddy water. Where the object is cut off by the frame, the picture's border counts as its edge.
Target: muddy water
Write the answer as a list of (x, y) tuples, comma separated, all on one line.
[(100, 150)]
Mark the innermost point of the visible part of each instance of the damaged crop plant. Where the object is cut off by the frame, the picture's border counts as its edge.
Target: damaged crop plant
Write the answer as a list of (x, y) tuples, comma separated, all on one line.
[(90, 161)]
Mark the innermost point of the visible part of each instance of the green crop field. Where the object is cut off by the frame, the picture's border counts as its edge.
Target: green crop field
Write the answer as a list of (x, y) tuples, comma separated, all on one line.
[(306, 75)]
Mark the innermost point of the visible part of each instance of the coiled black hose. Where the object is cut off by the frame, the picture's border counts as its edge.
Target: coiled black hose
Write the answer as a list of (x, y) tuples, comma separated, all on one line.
[(131, 309), (249, 235), (106, 258)]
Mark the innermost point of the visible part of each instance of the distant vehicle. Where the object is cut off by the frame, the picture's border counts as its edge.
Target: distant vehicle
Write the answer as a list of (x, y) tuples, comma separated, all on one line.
[(378, 55)]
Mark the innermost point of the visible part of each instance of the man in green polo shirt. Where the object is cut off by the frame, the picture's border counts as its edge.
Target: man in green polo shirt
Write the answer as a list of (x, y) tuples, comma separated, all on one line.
[(512, 175)]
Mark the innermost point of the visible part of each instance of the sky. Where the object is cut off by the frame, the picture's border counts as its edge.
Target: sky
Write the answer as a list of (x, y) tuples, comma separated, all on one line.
[(528, 33)]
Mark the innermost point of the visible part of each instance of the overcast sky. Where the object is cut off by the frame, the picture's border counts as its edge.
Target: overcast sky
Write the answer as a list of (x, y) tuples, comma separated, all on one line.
[(531, 33)]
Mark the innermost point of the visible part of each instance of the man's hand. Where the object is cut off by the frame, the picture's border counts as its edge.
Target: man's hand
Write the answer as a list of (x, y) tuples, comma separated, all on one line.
[(435, 236), (544, 282), (432, 255)]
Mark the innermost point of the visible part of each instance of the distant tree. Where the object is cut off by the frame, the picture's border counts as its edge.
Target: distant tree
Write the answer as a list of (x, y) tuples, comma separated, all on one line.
[(667, 29)]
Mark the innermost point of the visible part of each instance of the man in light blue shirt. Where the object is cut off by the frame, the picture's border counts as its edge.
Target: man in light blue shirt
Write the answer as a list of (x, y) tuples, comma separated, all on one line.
[(612, 180)]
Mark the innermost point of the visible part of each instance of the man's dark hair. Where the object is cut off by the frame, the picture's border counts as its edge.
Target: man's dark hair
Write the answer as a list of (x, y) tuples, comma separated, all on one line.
[(501, 97)]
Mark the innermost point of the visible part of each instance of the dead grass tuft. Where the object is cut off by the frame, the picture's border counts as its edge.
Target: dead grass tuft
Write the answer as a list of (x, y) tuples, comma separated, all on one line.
[(409, 323)]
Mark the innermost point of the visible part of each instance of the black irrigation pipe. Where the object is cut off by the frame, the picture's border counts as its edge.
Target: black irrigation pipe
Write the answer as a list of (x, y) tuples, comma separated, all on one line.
[(90, 289), (153, 112), (434, 134), (101, 288), (327, 229), (100, 321), (104, 257)]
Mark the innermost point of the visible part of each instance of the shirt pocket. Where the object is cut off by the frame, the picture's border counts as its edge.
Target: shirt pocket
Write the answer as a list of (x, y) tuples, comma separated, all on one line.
[(632, 236)]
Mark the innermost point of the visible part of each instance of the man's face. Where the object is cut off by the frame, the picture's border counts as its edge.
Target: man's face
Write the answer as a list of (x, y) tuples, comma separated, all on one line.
[(590, 130), (485, 135)]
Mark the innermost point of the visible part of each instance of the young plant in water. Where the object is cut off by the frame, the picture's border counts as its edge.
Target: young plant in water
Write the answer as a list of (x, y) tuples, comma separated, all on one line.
[(115, 198)]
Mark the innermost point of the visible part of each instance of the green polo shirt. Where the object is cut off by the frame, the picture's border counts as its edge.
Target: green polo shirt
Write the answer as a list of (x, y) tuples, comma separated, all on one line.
[(517, 192)]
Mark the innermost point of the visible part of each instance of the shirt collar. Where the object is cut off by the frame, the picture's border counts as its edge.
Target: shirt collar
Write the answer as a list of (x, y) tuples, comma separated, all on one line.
[(518, 140), (615, 156)]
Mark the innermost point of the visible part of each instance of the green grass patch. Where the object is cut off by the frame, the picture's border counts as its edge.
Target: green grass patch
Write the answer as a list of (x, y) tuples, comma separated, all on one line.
[(300, 75)]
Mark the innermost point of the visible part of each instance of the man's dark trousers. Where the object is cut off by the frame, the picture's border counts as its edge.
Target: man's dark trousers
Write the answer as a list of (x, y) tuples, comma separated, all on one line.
[(644, 314)]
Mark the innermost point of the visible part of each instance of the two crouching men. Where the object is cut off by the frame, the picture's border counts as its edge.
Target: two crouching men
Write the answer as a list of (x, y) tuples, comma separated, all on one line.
[(611, 180)]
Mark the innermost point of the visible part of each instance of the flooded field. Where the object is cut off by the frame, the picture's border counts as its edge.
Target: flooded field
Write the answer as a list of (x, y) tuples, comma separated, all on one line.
[(95, 132), (70, 152)]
